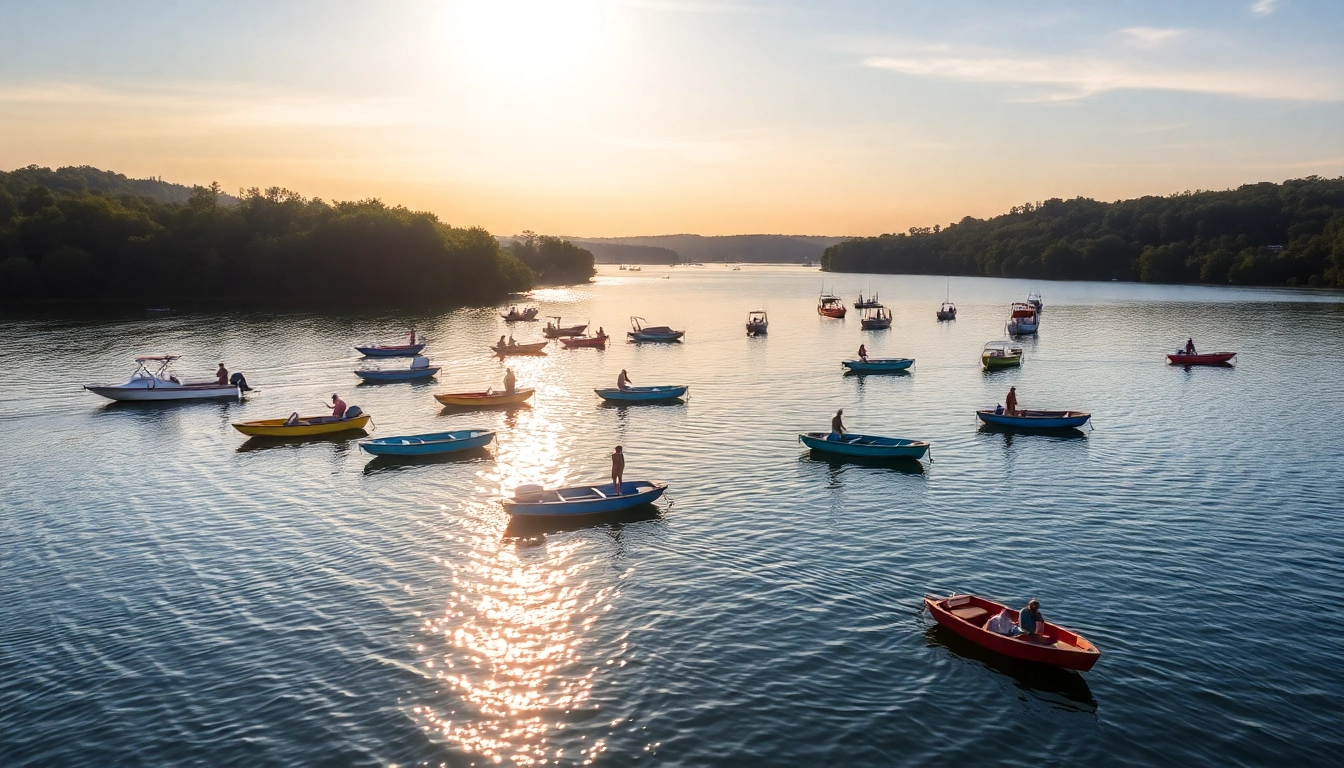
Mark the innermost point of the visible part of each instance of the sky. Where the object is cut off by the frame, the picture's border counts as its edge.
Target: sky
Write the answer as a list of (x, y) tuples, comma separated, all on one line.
[(640, 117)]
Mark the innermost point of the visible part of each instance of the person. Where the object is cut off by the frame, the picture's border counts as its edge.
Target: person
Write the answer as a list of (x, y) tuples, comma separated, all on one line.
[(1011, 401), (509, 381), (623, 381), (501, 342), (1003, 624), (1029, 619), (837, 426), (617, 469), (863, 353), (412, 337), (1190, 346), (601, 334), (222, 375), (512, 343), (337, 407), (292, 420)]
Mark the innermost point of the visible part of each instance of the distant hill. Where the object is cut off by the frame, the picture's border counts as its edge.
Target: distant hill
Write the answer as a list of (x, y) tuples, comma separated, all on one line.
[(78, 178), (606, 252), (748, 248)]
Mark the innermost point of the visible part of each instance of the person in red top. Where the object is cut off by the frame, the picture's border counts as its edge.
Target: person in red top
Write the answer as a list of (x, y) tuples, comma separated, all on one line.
[(1190, 346), (1010, 402), (337, 407)]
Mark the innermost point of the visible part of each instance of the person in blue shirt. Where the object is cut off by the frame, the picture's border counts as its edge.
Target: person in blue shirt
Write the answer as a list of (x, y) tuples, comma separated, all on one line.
[(1030, 620)]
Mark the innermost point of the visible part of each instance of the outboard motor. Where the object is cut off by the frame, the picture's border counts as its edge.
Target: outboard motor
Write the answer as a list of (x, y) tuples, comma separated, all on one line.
[(241, 383), (353, 412)]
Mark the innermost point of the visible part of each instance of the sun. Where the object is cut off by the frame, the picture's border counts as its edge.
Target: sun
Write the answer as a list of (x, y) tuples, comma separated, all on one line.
[(518, 42)]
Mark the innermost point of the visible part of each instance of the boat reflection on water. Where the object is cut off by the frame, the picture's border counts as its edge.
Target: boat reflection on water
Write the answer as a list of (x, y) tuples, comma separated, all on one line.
[(621, 405), (343, 441), (510, 408), (837, 463), (394, 463), (1060, 433), (1062, 689), (524, 527)]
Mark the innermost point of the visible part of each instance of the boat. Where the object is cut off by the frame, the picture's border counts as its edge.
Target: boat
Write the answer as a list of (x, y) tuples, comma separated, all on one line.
[(153, 379), (636, 269), (425, 445), (504, 350), (580, 342), (868, 446), (484, 399), (1023, 321), (1210, 358), (411, 348), (1031, 419), (304, 426), (1001, 354), (758, 323), (643, 394), (643, 332), (515, 315), (875, 319), (622, 267), (948, 311), (535, 501), (1034, 299), (967, 615), (878, 364), (556, 331), (872, 302), (420, 369), (830, 305)]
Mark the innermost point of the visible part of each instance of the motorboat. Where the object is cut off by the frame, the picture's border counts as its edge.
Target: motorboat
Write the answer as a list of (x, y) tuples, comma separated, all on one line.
[(622, 267), (485, 399), (872, 302), (968, 615), (154, 379), (410, 348), (948, 311), (305, 426), (1034, 299), (867, 446), (1209, 358), (636, 268), (1023, 321), (875, 319), (601, 498), (1001, 354), (643, 394), (644, 332), (420, 369), (879, 364), (581, 342), (1033, 419), (555, 330), (516, 315), (758, 323), (506, 349), (830, 305), (430, 444)]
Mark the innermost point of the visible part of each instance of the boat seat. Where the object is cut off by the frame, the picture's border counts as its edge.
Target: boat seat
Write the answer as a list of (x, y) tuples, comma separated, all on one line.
[(973, 614)]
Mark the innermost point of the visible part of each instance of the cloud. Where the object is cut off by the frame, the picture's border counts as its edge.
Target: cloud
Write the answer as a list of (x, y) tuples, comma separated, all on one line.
[(1149, 37), (1264, 7)]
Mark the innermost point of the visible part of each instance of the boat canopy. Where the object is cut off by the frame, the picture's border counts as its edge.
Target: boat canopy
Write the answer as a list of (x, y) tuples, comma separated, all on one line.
[(1005, 345), (157, 358), (1022, 309)]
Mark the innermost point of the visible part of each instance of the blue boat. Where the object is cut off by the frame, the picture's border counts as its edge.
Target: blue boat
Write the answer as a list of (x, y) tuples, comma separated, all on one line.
[(425, 445), (534, 501), (420, 369), (868, 446), (392, 350), (643, 394), (1034, 419), (875, 364)]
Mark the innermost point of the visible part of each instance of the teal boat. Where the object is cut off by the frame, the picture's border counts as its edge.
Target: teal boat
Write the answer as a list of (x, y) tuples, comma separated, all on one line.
[(869, 446), (877, 365), (425, 445)]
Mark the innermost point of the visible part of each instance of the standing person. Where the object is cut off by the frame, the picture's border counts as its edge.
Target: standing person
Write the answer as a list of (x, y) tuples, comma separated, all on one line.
[(1190, 346), (623, 381), (222, 375), (337, 407), (837, 426), (1030, 620), (601, 334), (412, 337), (617, 469), (1010, 402), (509, 381), (863, 353)]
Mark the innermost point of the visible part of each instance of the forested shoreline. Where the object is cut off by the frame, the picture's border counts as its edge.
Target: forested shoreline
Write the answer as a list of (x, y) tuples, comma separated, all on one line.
[(107, 244), (1288, 234)]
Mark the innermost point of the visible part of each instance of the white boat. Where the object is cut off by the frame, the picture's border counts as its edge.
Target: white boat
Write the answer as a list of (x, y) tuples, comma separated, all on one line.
[(154, 380), (1024, 321)]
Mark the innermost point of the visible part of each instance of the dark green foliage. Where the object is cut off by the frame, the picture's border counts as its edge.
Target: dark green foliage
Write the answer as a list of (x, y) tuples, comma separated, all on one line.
[(274, 246), (1260, 234), (555, 261)]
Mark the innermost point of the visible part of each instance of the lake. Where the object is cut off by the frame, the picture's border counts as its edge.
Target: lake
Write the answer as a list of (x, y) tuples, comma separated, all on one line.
[(176, 594)]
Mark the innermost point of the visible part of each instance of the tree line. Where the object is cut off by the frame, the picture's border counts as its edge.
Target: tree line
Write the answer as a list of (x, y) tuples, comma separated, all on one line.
[(1258, 234), (273, 246)]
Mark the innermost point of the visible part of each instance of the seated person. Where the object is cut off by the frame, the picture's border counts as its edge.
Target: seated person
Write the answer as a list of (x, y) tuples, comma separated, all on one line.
[(292, 420), (1029, 618), (1003, 624)]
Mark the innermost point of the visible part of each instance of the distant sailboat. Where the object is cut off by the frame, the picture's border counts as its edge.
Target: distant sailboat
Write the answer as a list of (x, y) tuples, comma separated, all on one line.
[(949, 310)]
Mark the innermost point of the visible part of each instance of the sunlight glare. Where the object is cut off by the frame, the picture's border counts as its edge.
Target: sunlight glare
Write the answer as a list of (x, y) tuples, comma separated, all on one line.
[(521, 42)]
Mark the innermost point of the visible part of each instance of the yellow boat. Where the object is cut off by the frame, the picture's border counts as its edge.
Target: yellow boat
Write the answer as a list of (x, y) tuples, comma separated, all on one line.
[(1001, 354), (480, 399), (304, 427)]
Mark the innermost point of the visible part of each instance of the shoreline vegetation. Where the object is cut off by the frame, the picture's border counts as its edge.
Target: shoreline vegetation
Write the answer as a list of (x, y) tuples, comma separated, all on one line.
[(1289, 234), (84, 236)]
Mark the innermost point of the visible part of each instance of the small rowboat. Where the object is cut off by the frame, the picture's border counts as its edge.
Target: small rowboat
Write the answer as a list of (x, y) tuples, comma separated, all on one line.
[(519, 349), (390, 350), (868, 446), (876, 365), (304, 427), (514, 315), (644, 332), (534, 501), (967, 615), (1035, 419), (556, 331), (643, 394), (1212, 358), (482, 399), (580, 342), (420, 369), (424, 445)]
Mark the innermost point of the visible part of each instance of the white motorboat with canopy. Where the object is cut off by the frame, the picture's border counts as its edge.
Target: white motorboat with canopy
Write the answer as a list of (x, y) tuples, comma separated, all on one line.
[(154, 379)]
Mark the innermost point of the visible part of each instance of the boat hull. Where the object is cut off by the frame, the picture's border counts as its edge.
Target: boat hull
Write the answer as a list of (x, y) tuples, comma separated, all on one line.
[(582, 500), (401, 350), (836, 312), (164, 394), (992, 362), (882, 448), (1035, 419), (428, 445), (520, 349), (874, 325), (305, 428), (481, 399), (642, 394), (1214, 358), (663, 337), (382, 376), (877, 366), (594, 342), (1059, 647), (757, 329), (563, 333)]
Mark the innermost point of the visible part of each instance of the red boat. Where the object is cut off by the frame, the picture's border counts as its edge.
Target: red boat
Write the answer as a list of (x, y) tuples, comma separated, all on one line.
[(577, 342), (830, 306), (967, 614), (1212, 358)]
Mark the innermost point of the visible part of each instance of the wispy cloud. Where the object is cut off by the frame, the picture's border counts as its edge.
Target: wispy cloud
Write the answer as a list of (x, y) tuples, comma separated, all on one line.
[(695, 6), (1149, 37), (1264, 7)]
